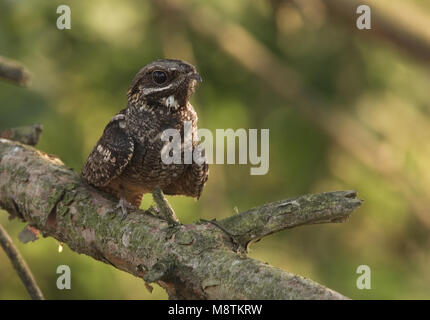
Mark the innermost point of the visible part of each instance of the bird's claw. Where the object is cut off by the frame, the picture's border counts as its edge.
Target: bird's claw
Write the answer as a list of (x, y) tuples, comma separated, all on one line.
[(124, 205), (154, 210)]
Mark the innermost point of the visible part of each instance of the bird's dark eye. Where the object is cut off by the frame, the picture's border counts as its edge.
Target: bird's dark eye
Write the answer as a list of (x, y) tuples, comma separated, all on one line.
[(159, 77)]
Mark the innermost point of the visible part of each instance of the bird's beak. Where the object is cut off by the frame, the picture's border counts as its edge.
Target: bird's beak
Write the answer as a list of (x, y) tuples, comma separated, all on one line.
[(195, 76)]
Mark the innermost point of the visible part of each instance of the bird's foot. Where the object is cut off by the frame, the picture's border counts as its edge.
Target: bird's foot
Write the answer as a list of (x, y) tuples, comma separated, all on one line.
[(123, 205), (154, 210)]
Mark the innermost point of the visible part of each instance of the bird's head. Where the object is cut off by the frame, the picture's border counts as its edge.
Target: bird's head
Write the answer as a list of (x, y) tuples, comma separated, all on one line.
[(166, 81)]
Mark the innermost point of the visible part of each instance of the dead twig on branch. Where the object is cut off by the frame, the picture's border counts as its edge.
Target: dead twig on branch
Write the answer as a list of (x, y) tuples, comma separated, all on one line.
[(26, 135), (195, 261), (14, 72)]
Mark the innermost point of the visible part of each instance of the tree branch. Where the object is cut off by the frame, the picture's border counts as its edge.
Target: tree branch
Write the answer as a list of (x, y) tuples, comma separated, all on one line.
[(13, 71), (196, 261), (20, 266)]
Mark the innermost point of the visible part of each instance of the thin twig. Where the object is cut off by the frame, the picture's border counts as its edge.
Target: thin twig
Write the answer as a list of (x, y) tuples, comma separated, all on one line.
[(14, 72), (20, 266)]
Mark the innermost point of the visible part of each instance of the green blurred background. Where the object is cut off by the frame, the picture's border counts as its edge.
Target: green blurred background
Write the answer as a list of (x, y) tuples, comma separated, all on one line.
[(346, 109)]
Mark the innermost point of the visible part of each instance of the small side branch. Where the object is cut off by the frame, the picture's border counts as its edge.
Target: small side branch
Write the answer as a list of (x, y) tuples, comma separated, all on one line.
[(259, 222), (27, 135), (20, 266), (14, 72)]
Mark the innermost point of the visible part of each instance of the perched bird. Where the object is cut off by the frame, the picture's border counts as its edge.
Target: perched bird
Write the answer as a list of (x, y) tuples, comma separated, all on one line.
[(126, 161)]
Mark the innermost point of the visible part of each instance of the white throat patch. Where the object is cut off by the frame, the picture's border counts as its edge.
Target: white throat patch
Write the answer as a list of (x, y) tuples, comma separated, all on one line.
[(171, 102)]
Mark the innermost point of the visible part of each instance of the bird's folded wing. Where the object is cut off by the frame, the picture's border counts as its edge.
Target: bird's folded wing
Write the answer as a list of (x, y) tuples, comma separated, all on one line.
[(111, 154)]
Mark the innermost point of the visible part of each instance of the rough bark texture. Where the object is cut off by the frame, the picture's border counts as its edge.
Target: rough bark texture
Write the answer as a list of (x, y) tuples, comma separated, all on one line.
[(195, 261)]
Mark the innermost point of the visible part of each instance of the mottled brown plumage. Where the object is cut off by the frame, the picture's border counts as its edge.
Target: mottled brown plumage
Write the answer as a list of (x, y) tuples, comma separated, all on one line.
[(126, 160)]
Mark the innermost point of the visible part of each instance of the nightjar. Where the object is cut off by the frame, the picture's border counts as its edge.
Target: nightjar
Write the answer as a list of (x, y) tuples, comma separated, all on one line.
[(126, 161)]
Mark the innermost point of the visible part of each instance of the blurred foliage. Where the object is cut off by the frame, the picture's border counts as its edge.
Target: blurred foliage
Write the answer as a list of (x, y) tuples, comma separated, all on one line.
[(80, 79)]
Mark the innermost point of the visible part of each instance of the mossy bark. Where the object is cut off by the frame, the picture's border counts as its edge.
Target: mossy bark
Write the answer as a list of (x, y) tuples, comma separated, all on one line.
[(194, 261)]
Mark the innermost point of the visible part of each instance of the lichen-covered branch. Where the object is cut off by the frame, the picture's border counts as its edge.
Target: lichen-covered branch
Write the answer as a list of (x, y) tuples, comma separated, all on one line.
[(195, 261), (20, 266), (14, 72)]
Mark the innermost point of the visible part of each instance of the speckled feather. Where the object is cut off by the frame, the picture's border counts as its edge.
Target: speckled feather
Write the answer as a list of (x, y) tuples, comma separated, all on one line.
[(111, 154)]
